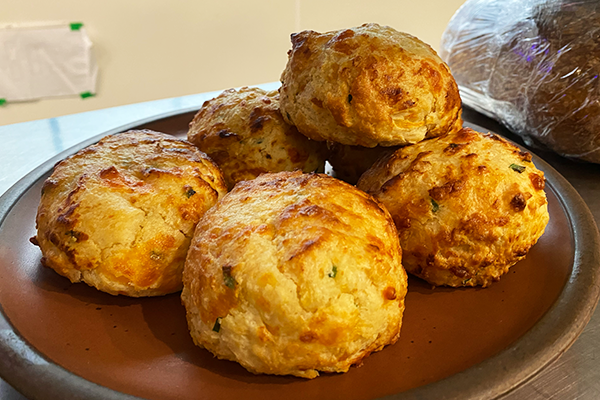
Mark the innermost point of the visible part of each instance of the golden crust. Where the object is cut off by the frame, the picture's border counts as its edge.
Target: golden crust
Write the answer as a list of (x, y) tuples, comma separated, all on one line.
[(119, 215), (294, 274), (368, 86), (244, 133), (467, 206)]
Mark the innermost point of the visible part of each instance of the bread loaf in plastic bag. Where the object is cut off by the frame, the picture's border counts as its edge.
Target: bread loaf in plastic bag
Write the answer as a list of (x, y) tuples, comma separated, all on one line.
[(532, 65)]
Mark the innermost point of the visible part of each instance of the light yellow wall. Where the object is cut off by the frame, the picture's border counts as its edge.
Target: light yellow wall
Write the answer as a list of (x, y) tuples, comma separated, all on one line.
[(153, 49)]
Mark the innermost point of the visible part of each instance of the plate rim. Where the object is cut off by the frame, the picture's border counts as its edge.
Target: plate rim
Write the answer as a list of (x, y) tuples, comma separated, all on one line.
[(493, 377)]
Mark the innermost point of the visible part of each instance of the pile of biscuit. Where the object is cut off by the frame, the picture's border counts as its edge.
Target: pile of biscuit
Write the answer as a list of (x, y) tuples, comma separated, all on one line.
[(284, 269)]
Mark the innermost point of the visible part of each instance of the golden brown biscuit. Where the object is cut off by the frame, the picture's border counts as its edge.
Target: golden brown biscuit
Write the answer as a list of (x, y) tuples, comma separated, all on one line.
[(294, 274), (119, 215), (243, 132), (467, 206), (368, 86)]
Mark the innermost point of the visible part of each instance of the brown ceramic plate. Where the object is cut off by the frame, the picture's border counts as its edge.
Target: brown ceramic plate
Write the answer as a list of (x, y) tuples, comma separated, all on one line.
[(63, 340)]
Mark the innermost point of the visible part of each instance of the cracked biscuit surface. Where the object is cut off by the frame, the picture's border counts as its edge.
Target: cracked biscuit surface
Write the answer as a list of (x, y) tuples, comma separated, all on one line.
[(119, 215), (292, 274), (244, 133), (368, 86), (467, 206)]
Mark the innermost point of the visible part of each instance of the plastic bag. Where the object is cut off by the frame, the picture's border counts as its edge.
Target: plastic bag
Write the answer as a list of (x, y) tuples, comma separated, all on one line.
[(532, 65)]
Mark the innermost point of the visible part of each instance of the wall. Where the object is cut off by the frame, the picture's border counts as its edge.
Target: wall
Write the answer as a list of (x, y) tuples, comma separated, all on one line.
[(153, 49)]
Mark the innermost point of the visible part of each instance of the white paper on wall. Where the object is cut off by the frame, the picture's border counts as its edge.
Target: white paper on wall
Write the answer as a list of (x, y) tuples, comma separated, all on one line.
[(44, 61)]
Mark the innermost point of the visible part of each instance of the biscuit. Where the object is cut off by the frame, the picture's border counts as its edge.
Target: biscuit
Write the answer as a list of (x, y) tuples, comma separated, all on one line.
[(368, 86), (292, 274), (119, 215), (467, 206), (244, 133)]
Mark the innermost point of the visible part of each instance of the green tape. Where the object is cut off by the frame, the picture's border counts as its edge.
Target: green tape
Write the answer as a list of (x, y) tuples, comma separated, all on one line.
[(75, 26), (2, 102), (85, 95)]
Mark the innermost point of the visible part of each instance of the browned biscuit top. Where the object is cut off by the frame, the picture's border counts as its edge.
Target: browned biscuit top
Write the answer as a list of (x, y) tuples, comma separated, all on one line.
[(368, 86), (244, 133), (467, 205), (119, 214), (295, 273)]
